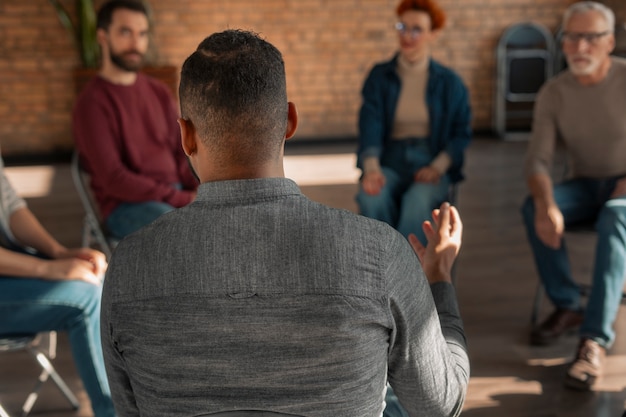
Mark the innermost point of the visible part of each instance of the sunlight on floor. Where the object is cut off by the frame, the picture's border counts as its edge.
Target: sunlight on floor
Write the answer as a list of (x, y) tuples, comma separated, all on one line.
[(485, 389), (548, 361), (486, 392), (31, 181), (36, 181), (322, 169)]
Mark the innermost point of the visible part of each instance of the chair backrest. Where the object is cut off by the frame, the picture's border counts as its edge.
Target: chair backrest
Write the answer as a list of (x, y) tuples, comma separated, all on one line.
[(93, 227), (18, 342), (524, 61)]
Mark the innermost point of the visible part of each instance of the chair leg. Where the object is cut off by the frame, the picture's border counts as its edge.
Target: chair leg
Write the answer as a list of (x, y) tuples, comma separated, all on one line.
[(536, 304), (3, 412), (86, 238), (48, 371), (34, 394)]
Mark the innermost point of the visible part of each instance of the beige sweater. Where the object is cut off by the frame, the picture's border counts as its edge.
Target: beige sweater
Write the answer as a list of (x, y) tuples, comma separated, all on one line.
[(591, 121), (411, 118)]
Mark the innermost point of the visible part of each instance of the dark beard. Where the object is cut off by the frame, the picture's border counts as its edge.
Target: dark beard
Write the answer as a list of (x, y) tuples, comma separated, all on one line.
[(119, 61)]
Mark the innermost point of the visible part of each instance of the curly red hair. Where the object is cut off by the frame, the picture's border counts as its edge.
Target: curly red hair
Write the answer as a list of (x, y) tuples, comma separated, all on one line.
[(437, 15)]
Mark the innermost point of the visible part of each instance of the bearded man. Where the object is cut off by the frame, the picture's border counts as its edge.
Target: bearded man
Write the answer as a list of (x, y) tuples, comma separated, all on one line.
[(584, 107), (125, 128)]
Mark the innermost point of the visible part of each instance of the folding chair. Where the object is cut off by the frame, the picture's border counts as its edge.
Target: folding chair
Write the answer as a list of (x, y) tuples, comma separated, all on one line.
[(32, 343), (94, 231)]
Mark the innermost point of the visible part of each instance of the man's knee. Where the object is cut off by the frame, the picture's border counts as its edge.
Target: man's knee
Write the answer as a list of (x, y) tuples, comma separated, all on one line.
[(366, 200), (612, 215)]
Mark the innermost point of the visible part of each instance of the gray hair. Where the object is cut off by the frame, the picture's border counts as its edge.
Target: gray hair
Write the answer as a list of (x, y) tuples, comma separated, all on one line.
[(588, 6)]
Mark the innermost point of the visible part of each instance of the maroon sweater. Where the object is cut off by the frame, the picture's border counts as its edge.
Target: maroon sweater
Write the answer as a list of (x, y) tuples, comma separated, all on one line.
[(129, 141)]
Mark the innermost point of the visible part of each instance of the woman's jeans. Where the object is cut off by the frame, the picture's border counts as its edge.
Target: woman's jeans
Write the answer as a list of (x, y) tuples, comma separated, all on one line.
[(403, 203), (127, 218), (586, 200), (29, 306)]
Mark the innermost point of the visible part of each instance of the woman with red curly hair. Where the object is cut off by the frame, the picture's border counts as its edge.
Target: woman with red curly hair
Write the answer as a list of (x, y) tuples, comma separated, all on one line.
[(414, 126)]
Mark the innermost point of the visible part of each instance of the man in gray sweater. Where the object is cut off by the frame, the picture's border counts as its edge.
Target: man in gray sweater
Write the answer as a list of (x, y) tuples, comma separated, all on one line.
[(254, 300), (585, 107)]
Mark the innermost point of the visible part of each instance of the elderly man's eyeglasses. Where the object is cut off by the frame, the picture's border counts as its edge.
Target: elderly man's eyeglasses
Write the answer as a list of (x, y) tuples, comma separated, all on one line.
[(592, 38), (414, 32)]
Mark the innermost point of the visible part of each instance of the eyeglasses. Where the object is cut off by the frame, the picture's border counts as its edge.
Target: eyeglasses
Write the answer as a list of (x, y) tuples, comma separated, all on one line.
[(414, 32), (592, 38)]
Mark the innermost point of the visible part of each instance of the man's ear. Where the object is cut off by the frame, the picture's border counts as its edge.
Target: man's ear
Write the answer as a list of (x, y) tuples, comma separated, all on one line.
[(612, 43), (188, 136), (101, 36), (292, 120)]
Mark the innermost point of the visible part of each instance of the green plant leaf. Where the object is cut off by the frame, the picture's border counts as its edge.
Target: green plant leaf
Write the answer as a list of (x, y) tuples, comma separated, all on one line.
[(64, 18), (83, 32), (89, 43)]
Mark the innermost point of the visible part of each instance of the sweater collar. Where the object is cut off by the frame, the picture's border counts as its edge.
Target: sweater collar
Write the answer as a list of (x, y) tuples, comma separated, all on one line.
[(241, 191), (406, 67)]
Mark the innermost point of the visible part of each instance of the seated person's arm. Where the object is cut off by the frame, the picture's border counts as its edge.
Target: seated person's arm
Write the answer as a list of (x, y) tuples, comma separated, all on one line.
[(81, 264), (428, 361), (373, 179), (29, 232), (461, 123), (459, 136), (102, 148), (549, 223)]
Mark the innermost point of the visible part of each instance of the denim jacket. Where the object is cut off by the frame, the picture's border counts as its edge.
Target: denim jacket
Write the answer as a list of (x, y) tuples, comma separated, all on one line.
[(448, 106)]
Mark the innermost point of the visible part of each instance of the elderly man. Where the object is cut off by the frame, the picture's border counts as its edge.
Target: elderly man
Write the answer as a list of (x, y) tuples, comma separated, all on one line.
[(585, 107)]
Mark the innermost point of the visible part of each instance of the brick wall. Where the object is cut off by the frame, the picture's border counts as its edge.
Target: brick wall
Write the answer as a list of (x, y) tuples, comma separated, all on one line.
[(328, 45)]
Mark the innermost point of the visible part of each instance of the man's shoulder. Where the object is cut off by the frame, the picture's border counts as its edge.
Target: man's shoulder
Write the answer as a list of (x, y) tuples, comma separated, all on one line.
[(437, 68), (352, 225), (444, 78), (560, 81), (620, 66)]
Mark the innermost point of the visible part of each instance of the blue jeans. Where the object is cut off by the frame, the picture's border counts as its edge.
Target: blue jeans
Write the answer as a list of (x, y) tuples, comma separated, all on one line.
[(127, 218), (586, 200), (29, 306), (393, 407), (403, 203)]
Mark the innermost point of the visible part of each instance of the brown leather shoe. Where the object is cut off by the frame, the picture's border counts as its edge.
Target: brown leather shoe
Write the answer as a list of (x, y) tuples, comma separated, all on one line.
[(560, 322), (587, 366)]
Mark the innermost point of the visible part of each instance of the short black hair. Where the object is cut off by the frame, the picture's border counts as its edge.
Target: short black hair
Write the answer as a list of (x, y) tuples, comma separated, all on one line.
[(233, 89), (105, 13)]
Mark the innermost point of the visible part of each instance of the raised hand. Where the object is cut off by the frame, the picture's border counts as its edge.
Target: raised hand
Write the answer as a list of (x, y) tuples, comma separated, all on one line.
[(444, 235)]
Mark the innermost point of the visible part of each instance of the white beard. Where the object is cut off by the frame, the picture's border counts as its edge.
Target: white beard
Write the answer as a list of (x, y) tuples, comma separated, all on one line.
[(583, 68)]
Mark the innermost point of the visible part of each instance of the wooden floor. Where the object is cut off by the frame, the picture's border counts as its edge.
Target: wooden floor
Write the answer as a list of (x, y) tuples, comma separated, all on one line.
[(496, 285)]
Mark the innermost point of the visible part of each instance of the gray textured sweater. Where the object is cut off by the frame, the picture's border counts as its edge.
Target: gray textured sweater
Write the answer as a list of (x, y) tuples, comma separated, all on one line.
[(254, 297)]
